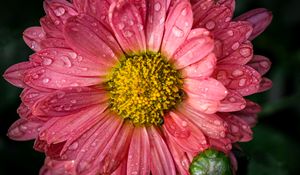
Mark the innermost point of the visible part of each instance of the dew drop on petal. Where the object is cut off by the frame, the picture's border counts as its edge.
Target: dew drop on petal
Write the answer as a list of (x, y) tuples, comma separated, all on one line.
[(47, 61), (128, 34), (184, 12), (74, 101), (245, 52), (66, 61), (177, 31), (264, 64), (74, 146), (210, 25), (121, 26), (232, 99), (46, 80), (230, 33), (242, 82), (237, 73), (235, 46), (157, 6), (217, 122), (59, 11)]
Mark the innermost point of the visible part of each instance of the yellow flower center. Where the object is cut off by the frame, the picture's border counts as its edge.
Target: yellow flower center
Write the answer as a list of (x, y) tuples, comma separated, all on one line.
[(143, 87)]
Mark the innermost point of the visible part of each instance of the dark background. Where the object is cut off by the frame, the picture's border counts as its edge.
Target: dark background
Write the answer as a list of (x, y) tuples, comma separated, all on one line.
[(275, 149)]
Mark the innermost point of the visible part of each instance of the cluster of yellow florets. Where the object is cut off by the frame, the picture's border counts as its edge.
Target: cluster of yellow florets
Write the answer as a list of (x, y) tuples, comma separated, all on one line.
[(142, 87)]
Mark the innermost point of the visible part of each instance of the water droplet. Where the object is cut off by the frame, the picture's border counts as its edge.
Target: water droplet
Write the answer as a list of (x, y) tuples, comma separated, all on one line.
[(237, 73), (59, 11), (46, 80), (177, 31), (162, 20), (15, 132), (121, 26), (227, 19), (74, 84), (73, 55), (264, 64), (234, 129), (23, 128), (245, 52), (128, 34), (235, 46), (74, 146), (230, 33), (61, 94), (140, 27), (130, 22), (217, 122), (242, 82), (47, 61), (222, 134), (57, 22), (82, 166), (157, 6), (184, 123), (184, 12), (232, 99), (74, 101), (66, 61), (210, 25)]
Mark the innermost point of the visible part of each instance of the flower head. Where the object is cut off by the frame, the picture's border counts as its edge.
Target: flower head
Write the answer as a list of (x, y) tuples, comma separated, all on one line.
[(133, 87)]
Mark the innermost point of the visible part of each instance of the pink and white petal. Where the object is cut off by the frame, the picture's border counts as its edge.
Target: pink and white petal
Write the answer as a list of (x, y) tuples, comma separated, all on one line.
[(240, 56), (15, 73), (188, 136), (55, 167), (139, 153), (97, 9), (69, 101), (203, 68), (118, 151), (23, 129), (232, 102), (180, 158), (241, 78), (51, 28), (157, 12), (33, 37), (98, 145), (239, 130), (54, 43), (265, 84), (211, 124), (228, 40), (87, 43), (128, 26), (43, 78), (59, 11), (206, 88), (67, 61), (260, 63), (161, 159), (193, 50), (259, 18), (177, 27), (217, 18)]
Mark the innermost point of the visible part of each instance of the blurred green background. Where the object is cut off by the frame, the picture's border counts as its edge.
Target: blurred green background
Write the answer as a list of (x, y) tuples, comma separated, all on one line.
[(275, 149)]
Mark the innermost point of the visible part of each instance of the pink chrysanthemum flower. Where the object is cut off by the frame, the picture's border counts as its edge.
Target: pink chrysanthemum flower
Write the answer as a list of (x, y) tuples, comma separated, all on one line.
[(133, 87)]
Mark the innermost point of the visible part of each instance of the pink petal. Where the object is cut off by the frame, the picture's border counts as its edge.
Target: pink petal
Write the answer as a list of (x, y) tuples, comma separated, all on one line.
[(249, 114), (50, 28), (122, 169), (118, 151), (98, 145), (259, 18), (23, 130), (206, 88), (233, 102), (239, 130), (265, 84), (202, 68), (97, 9), (59, 11), (15, 73), (66, 61), (142, 7), (223, 144), (194, 49), (54, 43), (180, 158), (215, 19), (157, 11), (69, 101), (89, 43), (184, 133), (127, 24), (228, 40), (24, 112), (33, 37), (210, 124), (161, 159), (240, 56), (240, 78), (41, 77), (139, 153), (55, 167), (260, 63), (177, 27)]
